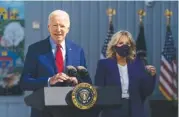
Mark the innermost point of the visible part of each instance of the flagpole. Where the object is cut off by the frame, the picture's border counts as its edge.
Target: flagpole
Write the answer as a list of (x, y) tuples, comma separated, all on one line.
[(168, 15), (141, 14), (110, 12)]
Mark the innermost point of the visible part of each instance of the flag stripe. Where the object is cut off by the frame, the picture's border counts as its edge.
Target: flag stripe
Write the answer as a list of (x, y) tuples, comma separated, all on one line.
[(175, 83), (165, 84), (171, 85), (166, 74), (166, 63), (174, 66), (164, 92), (168, 78)]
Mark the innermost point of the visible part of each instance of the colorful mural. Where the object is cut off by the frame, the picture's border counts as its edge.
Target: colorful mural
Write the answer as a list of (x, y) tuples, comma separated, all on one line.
[(11, 46)]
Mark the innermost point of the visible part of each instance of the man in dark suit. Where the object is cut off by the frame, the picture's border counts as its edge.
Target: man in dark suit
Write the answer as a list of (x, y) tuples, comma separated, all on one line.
[(46, 60)]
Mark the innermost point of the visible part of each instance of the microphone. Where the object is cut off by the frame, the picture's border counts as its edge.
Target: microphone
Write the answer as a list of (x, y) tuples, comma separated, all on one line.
[(83, 74), (71, 71), (82, 71)]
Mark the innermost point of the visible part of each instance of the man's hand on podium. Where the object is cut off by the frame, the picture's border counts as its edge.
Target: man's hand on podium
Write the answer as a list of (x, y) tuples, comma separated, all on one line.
[(59, 77), (62, 77)]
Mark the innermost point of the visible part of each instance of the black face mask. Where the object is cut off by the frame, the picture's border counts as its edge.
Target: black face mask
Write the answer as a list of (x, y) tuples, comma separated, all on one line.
[(122, 50)]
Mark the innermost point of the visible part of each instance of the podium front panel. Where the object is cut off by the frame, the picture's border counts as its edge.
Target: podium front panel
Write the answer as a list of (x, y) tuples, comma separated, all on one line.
[(56, 96)]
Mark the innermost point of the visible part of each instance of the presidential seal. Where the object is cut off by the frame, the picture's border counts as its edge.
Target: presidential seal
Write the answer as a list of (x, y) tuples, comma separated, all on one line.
[(84, 96)]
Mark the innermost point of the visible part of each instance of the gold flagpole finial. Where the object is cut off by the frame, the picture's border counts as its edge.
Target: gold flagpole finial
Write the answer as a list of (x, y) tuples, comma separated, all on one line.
[(168, 15), (110, 12), (141, 14)]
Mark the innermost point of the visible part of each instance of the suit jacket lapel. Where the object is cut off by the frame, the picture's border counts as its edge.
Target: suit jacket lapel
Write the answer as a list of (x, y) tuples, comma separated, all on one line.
[(48, 60), (47, 57), (69, 53), (116, 71)]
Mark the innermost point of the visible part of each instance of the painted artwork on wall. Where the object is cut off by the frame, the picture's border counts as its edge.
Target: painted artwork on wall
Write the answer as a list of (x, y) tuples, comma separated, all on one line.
[(11, 46)]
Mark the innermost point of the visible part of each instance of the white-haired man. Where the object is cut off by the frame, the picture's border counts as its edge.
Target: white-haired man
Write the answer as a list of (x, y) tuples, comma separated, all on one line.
[(46, 59)]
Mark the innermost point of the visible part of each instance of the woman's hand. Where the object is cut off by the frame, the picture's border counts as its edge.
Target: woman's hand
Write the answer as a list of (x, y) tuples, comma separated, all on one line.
[(151, 69)]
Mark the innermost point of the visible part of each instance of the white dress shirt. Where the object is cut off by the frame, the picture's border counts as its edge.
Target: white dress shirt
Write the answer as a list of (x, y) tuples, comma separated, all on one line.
[(63, 49), (123, 71)]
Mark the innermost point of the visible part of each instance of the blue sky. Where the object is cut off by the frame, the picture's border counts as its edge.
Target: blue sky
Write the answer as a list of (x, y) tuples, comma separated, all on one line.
[(14, 4)]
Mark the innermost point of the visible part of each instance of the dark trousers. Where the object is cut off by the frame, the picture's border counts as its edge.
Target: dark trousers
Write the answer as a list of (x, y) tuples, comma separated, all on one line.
[(122, 111)]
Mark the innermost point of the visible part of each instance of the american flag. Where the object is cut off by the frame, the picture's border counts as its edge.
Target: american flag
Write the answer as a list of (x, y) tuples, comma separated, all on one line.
[(168, 70), (108, 38)]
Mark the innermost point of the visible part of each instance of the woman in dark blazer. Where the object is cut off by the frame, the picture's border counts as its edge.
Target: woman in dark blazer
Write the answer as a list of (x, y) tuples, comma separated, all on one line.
[(122, 68)]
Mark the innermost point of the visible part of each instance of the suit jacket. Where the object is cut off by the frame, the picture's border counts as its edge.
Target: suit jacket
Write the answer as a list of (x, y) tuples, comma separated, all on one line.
[(40, 65), (141, 84)]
